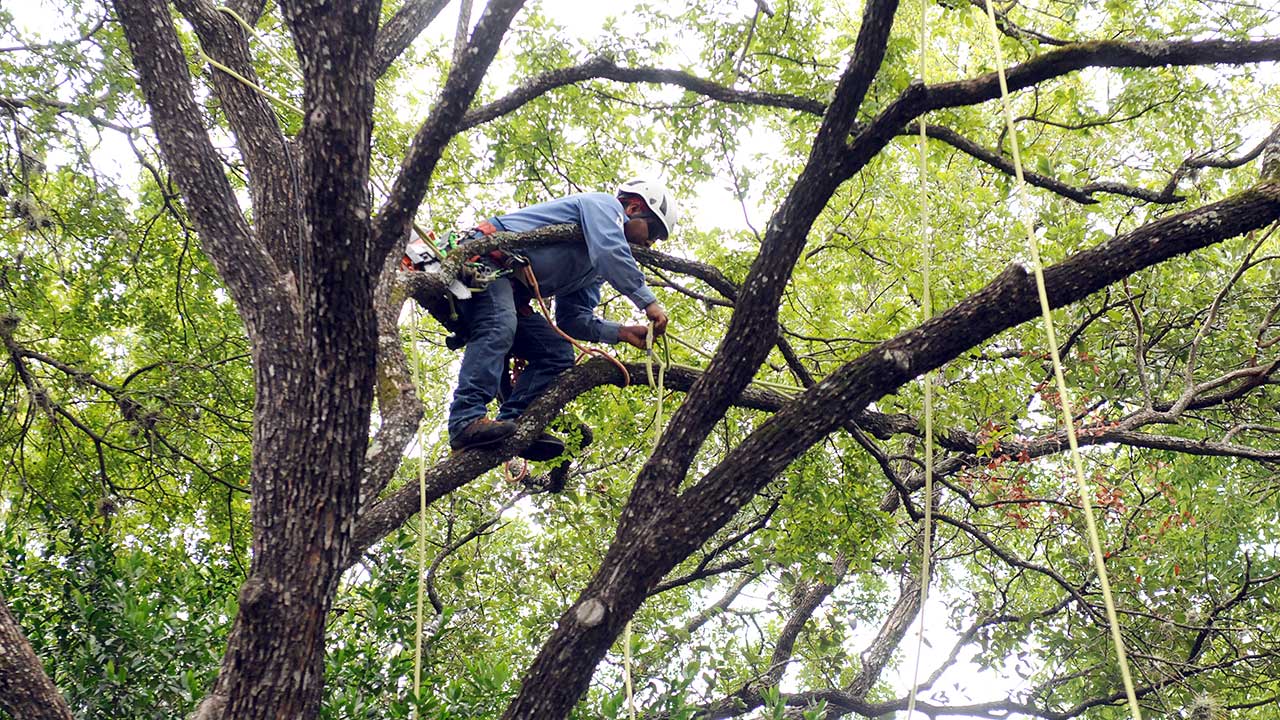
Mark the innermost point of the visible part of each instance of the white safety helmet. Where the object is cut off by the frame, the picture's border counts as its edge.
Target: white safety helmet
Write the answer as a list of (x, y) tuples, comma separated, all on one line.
[(656, 197)]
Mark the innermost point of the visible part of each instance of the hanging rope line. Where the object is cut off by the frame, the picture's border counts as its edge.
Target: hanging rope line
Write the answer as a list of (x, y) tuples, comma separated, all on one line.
[(658, 384), (584, 349), (626, 670), (253, 33), (926, 252), (419, 619), (1033, 246), (249, 83)]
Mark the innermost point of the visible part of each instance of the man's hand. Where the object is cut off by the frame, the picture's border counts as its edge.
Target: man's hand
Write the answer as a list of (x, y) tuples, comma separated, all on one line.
[(636, 335), (656, 315), (633, 335)]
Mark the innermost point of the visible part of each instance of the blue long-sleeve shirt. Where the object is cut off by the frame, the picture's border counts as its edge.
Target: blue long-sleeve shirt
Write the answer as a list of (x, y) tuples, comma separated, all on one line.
[(572, 273)]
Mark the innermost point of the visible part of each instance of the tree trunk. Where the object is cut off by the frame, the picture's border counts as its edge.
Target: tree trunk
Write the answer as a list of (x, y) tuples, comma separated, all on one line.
[(26, 692)]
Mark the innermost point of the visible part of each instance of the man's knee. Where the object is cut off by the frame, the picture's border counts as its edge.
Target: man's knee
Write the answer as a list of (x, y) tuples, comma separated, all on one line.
[(561, 358)]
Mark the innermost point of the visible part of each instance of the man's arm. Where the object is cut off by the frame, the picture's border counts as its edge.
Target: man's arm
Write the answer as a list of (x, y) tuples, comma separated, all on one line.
[(575, 314), (601, 222)]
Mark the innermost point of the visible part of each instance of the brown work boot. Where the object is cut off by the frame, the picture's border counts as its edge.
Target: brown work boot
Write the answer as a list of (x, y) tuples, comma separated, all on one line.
[(481, 433)]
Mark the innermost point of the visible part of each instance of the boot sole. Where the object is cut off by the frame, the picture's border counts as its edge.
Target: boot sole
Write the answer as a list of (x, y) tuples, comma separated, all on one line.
[(541, 450)]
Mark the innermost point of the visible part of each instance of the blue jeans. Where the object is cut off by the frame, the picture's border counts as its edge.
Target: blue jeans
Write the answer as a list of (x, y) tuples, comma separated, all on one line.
[(494, 330)]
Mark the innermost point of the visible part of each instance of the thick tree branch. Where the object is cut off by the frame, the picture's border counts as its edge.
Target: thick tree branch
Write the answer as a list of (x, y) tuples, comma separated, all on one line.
[(314, 380), (273, 180), (459, 469), (1068, 59), (917, 99), (335, 49), (395, 37), (402, 505), (1101, 53), (708, 274), (248, 269), (605, 68), (894, 628)]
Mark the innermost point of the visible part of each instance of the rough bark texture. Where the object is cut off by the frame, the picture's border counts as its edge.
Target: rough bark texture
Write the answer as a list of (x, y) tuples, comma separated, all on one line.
[(26, 692), (248, 269)]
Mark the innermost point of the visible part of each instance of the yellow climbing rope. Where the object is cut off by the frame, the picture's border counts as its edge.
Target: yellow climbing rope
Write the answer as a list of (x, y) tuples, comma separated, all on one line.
[(1095, 545), (926, 251), (422, 531), (252, 32), (658, 382), (626, 670)]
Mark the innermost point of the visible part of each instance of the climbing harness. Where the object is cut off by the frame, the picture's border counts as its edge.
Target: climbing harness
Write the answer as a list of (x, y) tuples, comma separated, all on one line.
[(477, 273), (1033, 246)]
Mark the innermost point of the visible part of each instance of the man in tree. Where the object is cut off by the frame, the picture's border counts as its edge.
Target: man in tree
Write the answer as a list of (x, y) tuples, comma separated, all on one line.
[(500, 321)]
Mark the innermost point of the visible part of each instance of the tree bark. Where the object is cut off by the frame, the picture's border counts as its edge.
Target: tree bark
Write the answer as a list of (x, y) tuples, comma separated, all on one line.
[(26, 692)]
